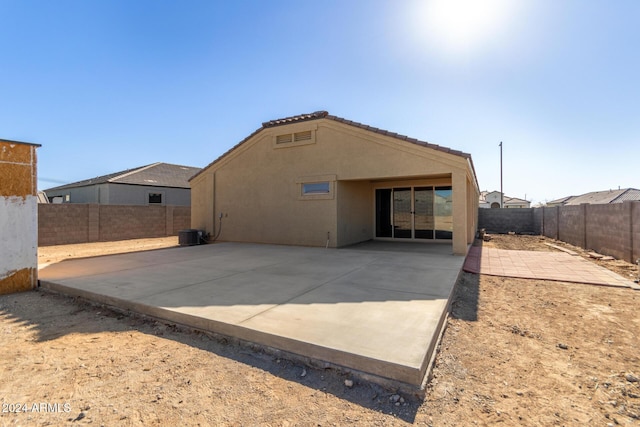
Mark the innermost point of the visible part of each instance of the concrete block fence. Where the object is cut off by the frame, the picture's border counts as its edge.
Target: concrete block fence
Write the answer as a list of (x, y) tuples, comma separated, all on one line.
[(608, 229), (68, 223)]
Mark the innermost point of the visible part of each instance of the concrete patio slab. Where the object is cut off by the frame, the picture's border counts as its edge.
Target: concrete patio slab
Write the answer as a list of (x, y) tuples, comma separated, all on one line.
[(377, 308)]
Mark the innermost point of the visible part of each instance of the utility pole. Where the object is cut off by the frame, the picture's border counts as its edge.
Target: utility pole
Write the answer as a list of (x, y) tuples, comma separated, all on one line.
[(501, 192)]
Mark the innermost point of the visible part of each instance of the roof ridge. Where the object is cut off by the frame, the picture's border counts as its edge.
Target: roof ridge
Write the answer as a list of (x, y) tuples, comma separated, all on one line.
[(624, 191), (294, 119), (323, 114), (131, 172)]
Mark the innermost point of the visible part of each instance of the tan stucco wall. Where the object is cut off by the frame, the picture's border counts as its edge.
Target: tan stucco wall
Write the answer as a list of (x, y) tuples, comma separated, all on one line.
[(355, 212), (18, 217), (257, 186)]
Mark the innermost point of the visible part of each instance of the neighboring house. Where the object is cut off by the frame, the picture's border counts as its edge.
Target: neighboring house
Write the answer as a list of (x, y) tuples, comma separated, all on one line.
[(492, 200), (599, 198), (320, 180), (559, 202), (155, 184)]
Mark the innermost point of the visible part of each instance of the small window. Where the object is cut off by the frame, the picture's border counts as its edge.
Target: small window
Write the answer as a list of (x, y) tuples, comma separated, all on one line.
[(155, 198), (316, 188)]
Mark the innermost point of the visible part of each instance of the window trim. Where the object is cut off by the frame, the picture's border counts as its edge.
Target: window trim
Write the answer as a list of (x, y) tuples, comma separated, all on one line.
[(329, 179), (162, 198)]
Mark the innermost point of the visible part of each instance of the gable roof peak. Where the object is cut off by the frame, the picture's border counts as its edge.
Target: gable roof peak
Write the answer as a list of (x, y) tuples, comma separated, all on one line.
[(295, 119), (322, 114)]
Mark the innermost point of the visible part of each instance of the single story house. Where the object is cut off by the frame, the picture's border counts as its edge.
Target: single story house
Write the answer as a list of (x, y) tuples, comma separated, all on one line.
[(321, 180), (154, 184), (491, 200), (599, 198)]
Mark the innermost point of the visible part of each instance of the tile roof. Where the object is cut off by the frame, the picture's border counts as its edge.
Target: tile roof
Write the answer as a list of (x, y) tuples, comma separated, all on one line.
[(631, 194), (600, 197), (506, 199), (325, 115), (512, 200), (295, 119), (155, 175), (561, 200)]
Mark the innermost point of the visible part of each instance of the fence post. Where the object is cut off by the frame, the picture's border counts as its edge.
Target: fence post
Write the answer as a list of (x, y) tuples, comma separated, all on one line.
[(585, 207), (631, 259), (633, 254), (168, 231), (557, 223), (93, 222)]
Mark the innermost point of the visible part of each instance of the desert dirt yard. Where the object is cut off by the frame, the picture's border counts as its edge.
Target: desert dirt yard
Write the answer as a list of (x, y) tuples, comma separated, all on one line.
[(515, 352)]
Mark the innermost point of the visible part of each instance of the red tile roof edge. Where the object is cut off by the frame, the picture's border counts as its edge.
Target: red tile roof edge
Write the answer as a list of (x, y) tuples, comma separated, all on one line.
[(325, 115)]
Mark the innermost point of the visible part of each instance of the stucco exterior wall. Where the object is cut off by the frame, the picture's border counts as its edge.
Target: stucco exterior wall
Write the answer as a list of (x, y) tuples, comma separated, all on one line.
[(258, 192), (258, 186), (355, 212), (18, 217), (124, 194)]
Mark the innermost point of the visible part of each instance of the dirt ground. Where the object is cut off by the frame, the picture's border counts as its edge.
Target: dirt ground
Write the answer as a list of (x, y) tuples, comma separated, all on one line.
[(51, 254), (515, 352)]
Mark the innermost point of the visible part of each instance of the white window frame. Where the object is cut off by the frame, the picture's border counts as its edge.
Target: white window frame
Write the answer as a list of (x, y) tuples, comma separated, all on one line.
[(309, 192), (329, 179)]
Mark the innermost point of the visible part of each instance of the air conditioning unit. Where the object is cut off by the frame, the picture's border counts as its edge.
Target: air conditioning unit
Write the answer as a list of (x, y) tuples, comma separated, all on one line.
[(190, 237)]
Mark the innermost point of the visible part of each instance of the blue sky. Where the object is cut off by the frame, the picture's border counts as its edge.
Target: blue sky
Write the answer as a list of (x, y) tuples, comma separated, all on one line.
[(109, 85)]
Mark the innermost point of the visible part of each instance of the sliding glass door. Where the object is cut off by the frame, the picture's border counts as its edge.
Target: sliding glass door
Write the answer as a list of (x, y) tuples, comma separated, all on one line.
[(443, 208), (402, 213), (423, 208), (418, 213)]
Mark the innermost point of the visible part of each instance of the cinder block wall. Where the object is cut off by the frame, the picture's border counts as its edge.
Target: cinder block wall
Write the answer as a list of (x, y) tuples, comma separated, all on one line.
[(550, 222), (635, 230), (61, 224), (608, 229), (506, 220), (119, 222), (571, 225), (181, 219), (537, 220)]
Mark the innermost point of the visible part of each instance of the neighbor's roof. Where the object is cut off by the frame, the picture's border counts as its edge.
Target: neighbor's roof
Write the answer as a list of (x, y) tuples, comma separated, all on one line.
[(561, 200), (515, 200), (325, 115), (507, 199), (155, 175), (601, 197)]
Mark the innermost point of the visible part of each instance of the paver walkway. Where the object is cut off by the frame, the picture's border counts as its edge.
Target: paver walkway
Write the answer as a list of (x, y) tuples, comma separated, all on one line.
[(559, 266)]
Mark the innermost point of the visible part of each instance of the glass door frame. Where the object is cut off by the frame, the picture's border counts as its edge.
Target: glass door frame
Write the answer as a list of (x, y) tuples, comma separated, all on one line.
[(390, 214)]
